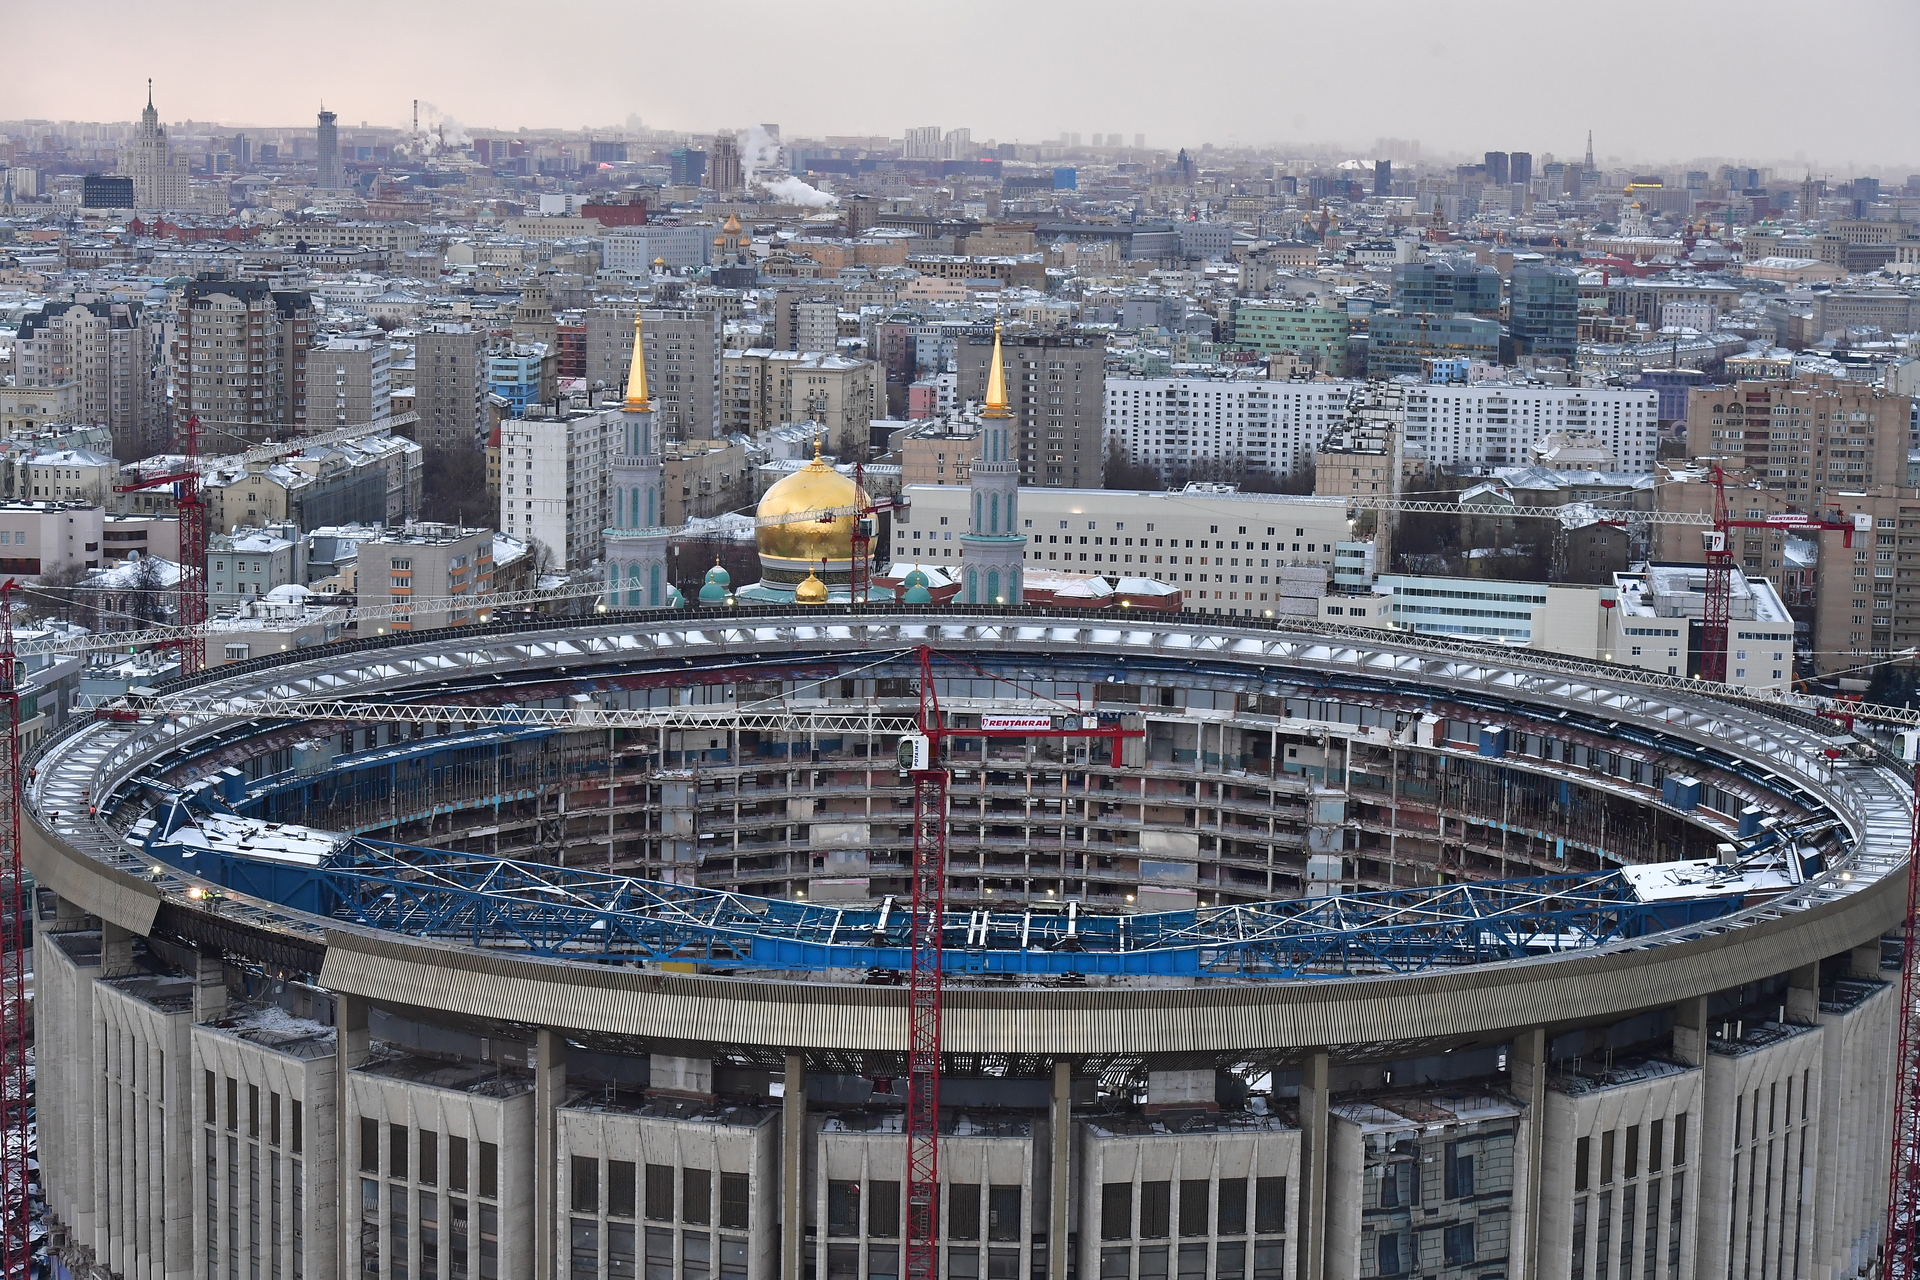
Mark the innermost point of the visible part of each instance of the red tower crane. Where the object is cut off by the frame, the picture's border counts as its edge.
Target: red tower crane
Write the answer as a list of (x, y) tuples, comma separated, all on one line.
[(926, 980), (15, 1044), (192, 507), (1719, 549)]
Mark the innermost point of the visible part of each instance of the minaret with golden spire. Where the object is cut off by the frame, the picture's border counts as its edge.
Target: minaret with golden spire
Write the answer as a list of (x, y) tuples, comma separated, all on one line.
[(636, 542), (637, 401), (994, 548)]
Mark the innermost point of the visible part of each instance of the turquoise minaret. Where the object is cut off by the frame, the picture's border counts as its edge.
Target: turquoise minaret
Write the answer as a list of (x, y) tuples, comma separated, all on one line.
[(636, 541), (994, 547)]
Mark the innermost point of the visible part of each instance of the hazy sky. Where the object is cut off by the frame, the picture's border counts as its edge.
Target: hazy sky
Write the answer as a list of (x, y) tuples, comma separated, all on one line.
[(1760, 80)]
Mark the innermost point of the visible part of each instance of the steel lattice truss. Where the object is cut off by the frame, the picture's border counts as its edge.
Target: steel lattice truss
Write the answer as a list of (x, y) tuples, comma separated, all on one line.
[(555, 911)]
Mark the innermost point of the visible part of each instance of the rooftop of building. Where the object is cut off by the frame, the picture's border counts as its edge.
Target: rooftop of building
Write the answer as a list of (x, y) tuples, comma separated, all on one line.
[(1426, 1108), (420, 533), (1586, 1078), (481, 1079), (271, 1027)]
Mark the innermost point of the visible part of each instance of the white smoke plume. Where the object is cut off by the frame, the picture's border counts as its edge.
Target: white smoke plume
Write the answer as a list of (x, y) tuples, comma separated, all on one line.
[(442, 131), (790, 190), (758, 150)]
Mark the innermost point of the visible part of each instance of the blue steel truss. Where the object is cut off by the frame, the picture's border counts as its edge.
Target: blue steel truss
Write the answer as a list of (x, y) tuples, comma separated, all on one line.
[(542, 910)]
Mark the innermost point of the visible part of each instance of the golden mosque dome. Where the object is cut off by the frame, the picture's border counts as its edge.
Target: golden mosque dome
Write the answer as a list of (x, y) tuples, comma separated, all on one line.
[(793, 549), (811, 591)]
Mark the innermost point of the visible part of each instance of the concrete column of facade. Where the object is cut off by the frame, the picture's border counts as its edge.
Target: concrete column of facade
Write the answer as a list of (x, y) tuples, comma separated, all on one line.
[(209, 987), (1690, 1031), (1864, 961), (1314, 1136), (549, 1091), (793, 1137), (1527, 1068), (351, 1046), (1060, 1128), (1803, 994), (116, 950), (67, 917)]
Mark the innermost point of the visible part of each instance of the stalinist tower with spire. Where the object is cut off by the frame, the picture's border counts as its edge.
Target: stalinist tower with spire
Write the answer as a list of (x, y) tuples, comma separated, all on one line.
[(159, 180), (993, 548), (637, 542)]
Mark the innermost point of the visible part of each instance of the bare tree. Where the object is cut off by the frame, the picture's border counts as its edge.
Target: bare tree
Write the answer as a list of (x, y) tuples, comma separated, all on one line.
[(453, 484)]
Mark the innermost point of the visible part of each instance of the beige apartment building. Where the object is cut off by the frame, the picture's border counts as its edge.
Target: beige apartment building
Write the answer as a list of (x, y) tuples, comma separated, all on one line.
[(426, 562), (763, 388), (1805, 438), (704, 478), (940, 451)]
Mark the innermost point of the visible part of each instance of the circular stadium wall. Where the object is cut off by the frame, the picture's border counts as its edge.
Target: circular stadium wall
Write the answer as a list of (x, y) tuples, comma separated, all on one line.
[(578, 948)]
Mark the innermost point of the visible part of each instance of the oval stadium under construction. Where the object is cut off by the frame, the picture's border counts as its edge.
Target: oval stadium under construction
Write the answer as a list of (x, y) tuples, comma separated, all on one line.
[(593, 948)]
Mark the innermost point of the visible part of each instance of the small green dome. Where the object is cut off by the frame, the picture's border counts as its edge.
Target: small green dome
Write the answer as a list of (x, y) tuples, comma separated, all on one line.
[(717, 577), (674, 599), (915, 578), (713, 592), (918, 593)]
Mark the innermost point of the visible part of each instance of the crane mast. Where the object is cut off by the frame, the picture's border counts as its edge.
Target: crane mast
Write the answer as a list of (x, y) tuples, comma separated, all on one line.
[(925, 984)]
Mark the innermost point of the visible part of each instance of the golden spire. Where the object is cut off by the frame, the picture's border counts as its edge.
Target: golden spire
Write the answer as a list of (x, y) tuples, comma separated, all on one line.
[(996, 382), (637, 401), (816, 448)]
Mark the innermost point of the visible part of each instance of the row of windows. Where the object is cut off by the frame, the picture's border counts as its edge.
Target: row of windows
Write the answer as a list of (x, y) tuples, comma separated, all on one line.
[(424, 1146), (211, 1114), (657, 1203), (1199, 1212)]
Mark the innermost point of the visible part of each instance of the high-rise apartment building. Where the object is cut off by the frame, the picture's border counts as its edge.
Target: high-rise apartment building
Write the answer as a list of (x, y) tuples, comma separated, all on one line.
[(449, 385), (1055, 384), (806, 320), (1520, 168), (1218, 428), (723, 165), (1498, 168), (1809, 438), (113, 353), (1383, 177), (683, 363), (159, 177), (1543, 311), (348, 382), (554, 482), (327, 167), (239, 358)]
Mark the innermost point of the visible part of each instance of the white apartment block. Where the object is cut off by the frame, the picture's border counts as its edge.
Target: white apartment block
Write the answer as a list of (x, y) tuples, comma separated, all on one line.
[(1493, 424), (553, 483), (1190, 424), (1194, 424), (1209, 540)]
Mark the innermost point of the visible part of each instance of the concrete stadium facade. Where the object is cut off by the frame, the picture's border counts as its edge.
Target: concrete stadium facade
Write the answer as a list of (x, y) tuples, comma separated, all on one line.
[(231, 1086)]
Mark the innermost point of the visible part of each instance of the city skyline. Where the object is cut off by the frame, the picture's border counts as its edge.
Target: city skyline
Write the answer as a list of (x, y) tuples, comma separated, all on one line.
[(1313, 89)]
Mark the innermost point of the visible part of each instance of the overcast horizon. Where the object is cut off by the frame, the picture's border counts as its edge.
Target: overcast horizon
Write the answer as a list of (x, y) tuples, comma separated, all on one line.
[(1656, 83)]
